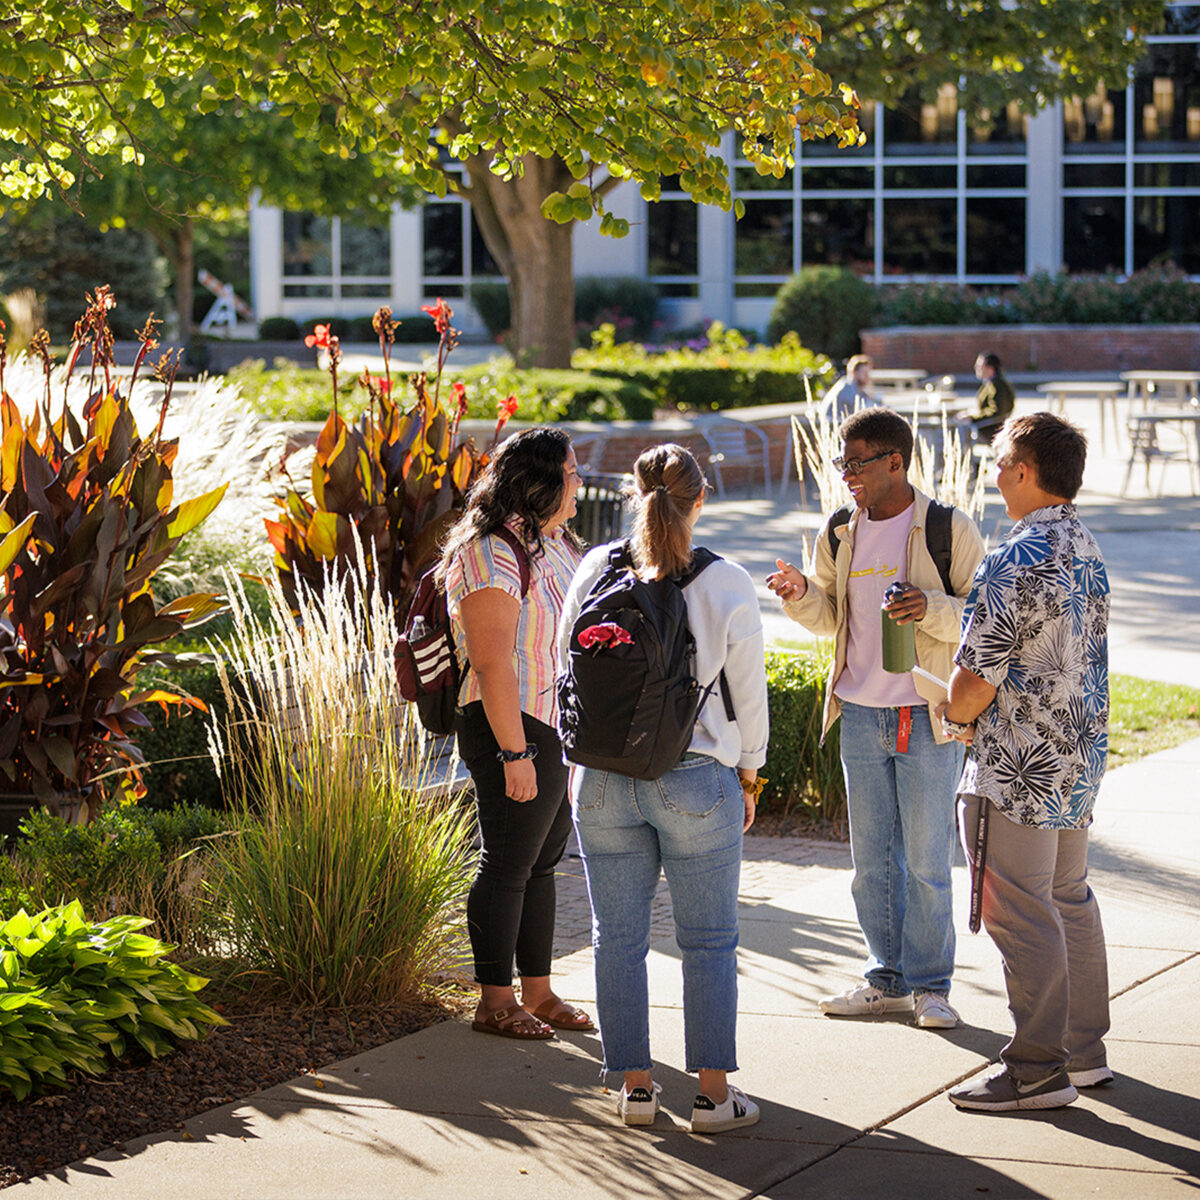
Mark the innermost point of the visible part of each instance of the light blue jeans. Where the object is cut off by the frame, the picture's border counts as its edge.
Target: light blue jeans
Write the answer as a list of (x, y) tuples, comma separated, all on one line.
[(689, 824), (902, 841)]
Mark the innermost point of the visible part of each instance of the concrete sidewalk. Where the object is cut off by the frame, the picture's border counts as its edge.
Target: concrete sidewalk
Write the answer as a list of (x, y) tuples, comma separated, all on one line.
[(850, 1108)]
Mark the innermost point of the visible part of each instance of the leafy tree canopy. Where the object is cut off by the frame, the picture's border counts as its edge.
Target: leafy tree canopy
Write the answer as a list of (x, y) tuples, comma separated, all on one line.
[(644, 88), (996, 51)]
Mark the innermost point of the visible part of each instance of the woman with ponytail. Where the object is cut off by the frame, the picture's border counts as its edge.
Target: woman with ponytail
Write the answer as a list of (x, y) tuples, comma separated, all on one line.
[(688, 823)]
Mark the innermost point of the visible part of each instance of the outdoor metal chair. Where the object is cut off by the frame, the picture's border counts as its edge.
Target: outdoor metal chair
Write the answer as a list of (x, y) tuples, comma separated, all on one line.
[(1147, 446), (735, 444)]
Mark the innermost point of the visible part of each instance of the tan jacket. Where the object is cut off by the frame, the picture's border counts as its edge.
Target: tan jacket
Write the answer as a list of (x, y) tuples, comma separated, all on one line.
[(822, 609)]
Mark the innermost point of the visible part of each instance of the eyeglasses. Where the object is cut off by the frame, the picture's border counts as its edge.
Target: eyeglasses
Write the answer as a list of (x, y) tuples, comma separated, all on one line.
[(854, 466)]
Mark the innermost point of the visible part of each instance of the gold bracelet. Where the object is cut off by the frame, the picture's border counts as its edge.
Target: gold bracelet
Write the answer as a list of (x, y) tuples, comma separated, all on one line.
[(753, 787)]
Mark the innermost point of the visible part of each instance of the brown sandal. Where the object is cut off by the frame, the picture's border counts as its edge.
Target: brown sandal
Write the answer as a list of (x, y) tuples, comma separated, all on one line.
[(576, 1019), (513, 1023)]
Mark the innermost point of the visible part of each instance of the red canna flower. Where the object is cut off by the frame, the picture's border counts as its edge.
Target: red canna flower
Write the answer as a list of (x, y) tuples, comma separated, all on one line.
[(383, 384), (319, 337), (458, 393), (506, 409), (441, 313)]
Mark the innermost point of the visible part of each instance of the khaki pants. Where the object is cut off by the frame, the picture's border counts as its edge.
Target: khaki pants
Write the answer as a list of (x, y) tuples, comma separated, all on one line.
[(1044, 919)]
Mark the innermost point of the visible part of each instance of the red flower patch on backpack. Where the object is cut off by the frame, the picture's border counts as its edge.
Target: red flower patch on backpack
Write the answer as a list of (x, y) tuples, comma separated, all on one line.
[(608, 633)]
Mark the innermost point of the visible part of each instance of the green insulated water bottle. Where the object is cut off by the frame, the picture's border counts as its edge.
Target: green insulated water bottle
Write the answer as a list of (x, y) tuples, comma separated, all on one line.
[(899, 644)]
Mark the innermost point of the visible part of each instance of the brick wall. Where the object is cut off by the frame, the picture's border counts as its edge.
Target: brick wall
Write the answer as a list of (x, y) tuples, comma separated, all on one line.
[(952, 349)]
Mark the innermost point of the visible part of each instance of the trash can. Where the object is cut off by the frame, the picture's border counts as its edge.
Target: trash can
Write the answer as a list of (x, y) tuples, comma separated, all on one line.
[(599, 508)]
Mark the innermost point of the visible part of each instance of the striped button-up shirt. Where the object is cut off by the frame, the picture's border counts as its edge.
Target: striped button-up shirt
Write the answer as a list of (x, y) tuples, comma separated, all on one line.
[(489, 562)]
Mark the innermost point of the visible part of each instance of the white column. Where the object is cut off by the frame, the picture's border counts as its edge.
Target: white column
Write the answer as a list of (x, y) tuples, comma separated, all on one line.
[(714, 239), (1043, 178), (266, 259), (407, 268)]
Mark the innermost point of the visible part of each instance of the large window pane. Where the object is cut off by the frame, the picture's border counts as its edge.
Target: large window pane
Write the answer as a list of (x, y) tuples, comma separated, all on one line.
[(482, 262), (843, 178), (441, 228), (909, 177), (919, 124), (1001, 132), (307, 244), (366, 248), (839, 233), (1010, 175), (995, 237), (671, 247), (763, 239), (1166, 100), (1094, 175), (1095, 125), (919, 237), (1094, 233), (1167, 228), (747, 179)]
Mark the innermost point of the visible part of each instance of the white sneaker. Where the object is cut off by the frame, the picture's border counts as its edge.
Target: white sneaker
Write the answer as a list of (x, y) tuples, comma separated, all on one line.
[(640, 1106), (736, 1110), (934, 1012), (865, 1000), (1095, 1077)]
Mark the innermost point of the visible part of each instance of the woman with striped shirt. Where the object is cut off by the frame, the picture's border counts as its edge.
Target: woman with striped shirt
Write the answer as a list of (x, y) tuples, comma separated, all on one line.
[(504, 601)]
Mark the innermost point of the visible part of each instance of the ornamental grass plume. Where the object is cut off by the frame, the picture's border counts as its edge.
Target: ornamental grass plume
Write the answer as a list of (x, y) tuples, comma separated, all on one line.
[(347, 880)]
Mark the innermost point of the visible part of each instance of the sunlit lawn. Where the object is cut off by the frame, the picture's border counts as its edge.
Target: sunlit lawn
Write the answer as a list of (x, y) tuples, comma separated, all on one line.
[(1147, 717)]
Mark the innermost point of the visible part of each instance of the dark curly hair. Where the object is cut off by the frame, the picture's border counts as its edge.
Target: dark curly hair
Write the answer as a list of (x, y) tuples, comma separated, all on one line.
[(525, 480), (882, 429)]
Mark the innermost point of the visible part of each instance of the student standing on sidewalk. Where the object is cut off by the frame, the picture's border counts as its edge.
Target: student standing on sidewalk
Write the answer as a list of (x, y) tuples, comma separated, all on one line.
[(1030, 695), (900, 768), (687, 823)]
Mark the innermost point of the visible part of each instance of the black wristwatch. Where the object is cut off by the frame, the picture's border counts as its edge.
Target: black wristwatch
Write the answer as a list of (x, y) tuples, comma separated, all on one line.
[(507, 756)]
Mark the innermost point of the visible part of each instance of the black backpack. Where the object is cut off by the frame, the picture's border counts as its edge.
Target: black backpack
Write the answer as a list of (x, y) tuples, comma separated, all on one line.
[(627, 695), (427, 669), (939, 526)]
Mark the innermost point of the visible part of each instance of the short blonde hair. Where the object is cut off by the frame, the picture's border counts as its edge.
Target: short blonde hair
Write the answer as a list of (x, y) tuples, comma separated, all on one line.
[(859, 360)]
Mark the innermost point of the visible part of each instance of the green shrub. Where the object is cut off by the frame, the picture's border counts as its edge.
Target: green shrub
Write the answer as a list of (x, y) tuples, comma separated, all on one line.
[(802, 774), (288, 392), (489, 298), (75, 995), (628, 301), (180, 769), (278, 329), (826, 307), (549, 396), (725, 372)]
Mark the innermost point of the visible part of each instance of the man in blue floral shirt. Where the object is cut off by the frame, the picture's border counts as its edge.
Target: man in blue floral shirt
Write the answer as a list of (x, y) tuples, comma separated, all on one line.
[(1029, 693)]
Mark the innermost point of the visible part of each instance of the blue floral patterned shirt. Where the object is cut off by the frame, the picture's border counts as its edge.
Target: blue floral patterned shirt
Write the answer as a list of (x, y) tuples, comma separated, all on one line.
[(1035, 626)]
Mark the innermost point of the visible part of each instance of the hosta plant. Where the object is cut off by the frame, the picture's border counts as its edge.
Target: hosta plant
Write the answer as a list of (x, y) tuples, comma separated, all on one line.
[(76, 995), (392, 483), (87, 516)]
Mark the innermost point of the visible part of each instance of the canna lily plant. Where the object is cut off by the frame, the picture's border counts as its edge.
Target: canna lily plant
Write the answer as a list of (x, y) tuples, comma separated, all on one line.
[(87, 516), (393, 483)]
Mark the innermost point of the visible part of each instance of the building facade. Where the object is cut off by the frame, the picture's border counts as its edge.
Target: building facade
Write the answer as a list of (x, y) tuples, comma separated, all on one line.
[(1110, 182)]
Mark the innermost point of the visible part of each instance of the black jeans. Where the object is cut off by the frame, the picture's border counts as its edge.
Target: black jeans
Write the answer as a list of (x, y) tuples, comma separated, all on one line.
[(510, 910)]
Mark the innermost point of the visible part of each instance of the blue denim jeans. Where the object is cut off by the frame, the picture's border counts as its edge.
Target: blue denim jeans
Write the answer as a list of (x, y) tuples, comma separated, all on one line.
[(689, 824), (902, 841)]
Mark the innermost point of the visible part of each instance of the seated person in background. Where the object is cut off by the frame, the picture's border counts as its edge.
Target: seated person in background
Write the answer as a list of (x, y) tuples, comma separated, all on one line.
[(994, 401), (850, 392)]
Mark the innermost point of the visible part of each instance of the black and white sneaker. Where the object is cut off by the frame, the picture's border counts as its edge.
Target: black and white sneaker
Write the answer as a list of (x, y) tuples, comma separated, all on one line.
[(1002, 1092), (736, 1110), (640, 1106)]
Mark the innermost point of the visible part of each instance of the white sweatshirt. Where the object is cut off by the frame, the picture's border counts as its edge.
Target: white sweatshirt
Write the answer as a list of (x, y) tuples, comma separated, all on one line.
[(724, 618)]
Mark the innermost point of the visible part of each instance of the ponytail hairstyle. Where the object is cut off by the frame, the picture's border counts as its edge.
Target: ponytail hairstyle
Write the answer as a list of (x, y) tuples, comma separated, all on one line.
[(667, 482)]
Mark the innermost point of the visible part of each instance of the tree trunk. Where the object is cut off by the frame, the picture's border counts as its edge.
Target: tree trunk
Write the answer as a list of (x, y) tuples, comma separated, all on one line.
[(534, 253), (182, 255)]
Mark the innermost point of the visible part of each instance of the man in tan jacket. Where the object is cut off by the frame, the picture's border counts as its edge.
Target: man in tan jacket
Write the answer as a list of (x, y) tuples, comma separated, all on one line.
[(901, 770)]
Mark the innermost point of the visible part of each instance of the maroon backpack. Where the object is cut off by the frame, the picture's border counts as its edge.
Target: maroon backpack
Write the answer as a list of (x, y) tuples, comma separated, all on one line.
[(427, 667)]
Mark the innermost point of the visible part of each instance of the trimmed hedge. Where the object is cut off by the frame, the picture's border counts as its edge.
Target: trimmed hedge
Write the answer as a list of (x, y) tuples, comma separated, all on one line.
[(549, 396), (704, 387)]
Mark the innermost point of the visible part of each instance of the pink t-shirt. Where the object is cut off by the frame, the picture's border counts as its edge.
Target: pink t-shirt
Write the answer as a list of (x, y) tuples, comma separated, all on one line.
[(880, 559)]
